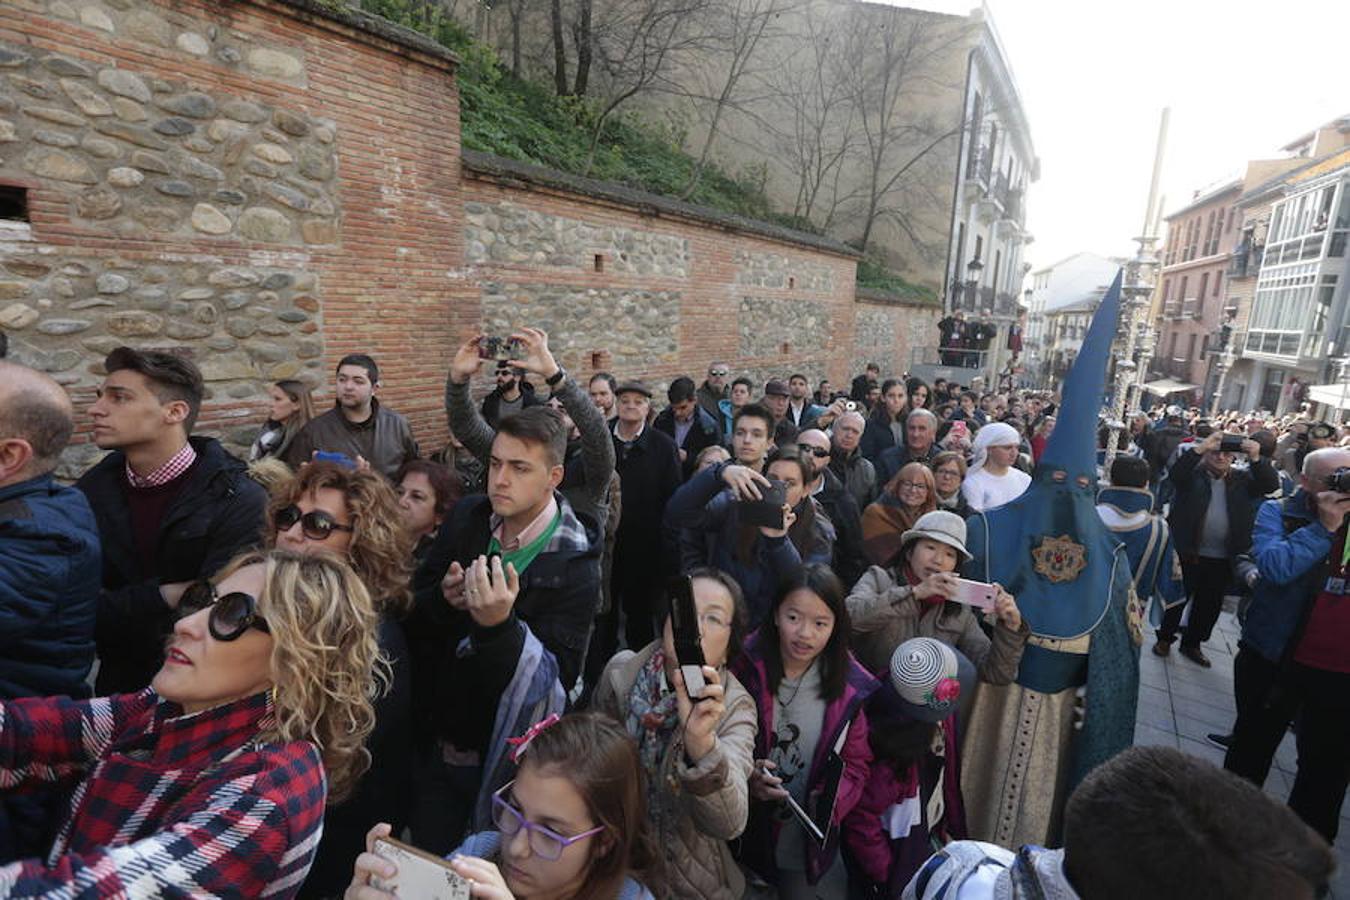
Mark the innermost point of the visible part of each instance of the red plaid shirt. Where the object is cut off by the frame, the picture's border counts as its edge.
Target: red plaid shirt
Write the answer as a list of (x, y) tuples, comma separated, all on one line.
[(170, 805), (174, 466)]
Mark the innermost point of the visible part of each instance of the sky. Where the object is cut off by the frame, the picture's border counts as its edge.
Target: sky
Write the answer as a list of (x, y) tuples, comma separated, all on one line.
[(1242, 79)]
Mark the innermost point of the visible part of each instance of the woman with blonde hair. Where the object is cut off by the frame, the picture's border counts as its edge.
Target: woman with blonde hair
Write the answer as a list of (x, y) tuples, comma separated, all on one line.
[(292, 408), (328, 508), (906, 497), (213, 781)]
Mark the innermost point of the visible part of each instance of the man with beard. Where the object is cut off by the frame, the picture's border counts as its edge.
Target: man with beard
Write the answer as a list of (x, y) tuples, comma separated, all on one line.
[(714, 390), (357, 426), (511, 395)]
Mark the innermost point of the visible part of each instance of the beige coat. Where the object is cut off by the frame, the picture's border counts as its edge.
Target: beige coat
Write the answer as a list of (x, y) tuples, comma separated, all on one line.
[(711, 800), (886, 614)]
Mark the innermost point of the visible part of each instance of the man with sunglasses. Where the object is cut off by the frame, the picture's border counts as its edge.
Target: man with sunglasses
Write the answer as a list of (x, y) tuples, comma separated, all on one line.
[(714, 390), (849, 562), (49, 573), (170, 508)]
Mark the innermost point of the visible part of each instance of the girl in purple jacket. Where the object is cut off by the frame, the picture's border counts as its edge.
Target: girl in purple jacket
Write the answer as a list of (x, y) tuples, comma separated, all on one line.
[(811, 749)]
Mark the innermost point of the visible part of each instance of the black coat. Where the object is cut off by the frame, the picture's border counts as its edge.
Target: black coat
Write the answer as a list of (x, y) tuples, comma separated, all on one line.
[(877, 437), (456, 696), (702, 433), (849, 562), (895, 458), (649, 472), (218, 513), (491, 408), (1245, 491)]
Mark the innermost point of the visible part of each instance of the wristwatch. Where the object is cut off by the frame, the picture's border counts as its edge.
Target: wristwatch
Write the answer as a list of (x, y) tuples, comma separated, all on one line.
[(557, 378)]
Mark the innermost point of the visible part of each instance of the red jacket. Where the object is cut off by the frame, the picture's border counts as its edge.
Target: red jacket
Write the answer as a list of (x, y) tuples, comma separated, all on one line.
[(165, 804)]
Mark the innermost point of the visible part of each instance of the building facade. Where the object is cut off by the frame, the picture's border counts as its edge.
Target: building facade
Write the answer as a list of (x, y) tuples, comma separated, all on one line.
[(1068, 281), (1065, 328)]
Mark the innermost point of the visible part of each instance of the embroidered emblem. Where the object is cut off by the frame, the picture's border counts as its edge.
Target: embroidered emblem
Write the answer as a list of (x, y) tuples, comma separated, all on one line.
[(1134, 616), (1059, 559)]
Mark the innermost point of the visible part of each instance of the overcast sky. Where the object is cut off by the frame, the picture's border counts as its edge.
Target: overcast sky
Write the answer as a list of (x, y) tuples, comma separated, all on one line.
[(1242, 79)]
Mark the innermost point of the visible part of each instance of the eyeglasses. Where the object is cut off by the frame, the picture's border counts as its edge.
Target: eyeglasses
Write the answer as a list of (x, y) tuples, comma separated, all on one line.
[(912, 486), (316, 524), (231, 615), (817, 452), (545, 843), (947, 473), (712, 621)]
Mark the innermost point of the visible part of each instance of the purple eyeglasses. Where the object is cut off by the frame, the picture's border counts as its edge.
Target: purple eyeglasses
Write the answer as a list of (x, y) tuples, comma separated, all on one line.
[(544, 842)]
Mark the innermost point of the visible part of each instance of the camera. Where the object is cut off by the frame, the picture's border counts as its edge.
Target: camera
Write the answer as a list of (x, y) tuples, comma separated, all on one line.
[(851, 405), (1231, 443), (498, 348), (1339, 480)]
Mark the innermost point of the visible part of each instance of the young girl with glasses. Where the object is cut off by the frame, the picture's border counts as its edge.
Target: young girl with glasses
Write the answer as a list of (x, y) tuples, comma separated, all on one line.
[(328, 508), (213, 781), (810, 693), (571, 826)]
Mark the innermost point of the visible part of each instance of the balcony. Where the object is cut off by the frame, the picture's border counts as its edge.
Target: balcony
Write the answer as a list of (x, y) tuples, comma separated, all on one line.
[(1246, 261), (1005, 304), (1192, 308), (1171, 309)]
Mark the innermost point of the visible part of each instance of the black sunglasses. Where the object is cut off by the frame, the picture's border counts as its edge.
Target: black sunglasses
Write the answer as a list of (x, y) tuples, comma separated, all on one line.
[(817, 452), (316, 524), (231, 615)]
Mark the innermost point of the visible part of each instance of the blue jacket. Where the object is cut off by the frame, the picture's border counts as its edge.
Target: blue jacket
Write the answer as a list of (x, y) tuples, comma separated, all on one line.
[(1289, 545), (49, 584), (702, 505)]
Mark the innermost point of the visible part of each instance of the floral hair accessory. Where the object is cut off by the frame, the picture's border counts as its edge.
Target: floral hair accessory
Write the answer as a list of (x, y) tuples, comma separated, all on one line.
[(947, 690), (520, 744)]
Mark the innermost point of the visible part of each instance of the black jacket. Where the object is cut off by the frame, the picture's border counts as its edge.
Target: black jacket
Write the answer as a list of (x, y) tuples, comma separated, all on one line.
[(895, 458), (385, 440), (849, 562), (1245, 491), (492, 403), (702, 433), (877, 438), (456, 694), (649, 472), (218, 513), (49, 578)]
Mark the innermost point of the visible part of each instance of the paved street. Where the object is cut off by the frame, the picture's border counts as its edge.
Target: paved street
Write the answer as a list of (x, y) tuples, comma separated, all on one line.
[(1179, 703)]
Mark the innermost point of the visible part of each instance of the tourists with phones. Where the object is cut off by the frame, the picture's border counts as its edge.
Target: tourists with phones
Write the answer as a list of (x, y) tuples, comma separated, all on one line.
[(755, 526), (213, 782), (696, 754), (811, 753), (573, 823), (915, 597)]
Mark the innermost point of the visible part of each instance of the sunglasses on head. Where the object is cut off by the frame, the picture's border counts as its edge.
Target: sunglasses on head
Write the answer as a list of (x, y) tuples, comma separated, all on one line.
[(231, 614), (817, 452), (316, 524)]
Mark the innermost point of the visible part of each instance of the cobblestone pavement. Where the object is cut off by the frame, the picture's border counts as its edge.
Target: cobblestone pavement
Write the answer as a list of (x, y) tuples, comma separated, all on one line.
[(1180, 703)]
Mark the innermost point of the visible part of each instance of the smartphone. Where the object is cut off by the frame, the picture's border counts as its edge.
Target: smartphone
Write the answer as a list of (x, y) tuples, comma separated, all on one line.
[(959, 428), (975, 593), (341, 459), (498, 348), (1231, 443), (421, 875), (768, 510), (684, 629)]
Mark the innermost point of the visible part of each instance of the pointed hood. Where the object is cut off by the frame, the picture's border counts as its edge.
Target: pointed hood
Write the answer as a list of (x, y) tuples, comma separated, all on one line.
[(1049, 547)]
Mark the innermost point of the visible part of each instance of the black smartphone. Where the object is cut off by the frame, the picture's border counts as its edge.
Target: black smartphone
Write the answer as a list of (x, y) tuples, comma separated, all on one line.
[(1231, 443), (684, 629), (767, 511)]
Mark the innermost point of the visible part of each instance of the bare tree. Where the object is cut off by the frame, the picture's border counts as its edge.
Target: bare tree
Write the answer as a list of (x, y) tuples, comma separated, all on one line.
[(559, 48)]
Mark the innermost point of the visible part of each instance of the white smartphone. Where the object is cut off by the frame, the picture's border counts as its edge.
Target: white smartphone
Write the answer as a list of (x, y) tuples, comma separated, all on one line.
[(421, 875), (975, 593)]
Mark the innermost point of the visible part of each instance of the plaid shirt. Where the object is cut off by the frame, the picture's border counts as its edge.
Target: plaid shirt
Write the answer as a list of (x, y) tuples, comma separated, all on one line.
[(174, 466), (170, 805)]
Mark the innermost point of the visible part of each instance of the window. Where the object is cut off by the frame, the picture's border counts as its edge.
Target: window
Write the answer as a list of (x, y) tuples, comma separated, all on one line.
[(1190, 348), (1173, 354), (1167, 290), (13, 203), (1185, 279), (1218, 281), (1204, 287)]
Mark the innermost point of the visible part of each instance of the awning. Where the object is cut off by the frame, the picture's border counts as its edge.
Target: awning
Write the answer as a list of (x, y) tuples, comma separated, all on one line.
[(1336, 396), (1164, 386)]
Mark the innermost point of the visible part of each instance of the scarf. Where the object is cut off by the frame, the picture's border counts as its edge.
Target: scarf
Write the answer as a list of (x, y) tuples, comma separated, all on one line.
[(883, 523), (995, 434), (913, 581), (653, 716)]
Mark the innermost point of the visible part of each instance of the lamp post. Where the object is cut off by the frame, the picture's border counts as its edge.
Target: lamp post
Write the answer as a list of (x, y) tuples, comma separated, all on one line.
[(973, 270)]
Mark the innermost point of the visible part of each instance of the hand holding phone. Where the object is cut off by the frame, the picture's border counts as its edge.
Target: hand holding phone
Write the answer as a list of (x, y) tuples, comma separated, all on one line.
[(767, 511), (421, 875), (688, 638), (975, 594)]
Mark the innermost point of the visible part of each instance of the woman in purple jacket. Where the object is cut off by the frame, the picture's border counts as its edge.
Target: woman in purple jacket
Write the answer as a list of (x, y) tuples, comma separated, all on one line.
[(812, 747)]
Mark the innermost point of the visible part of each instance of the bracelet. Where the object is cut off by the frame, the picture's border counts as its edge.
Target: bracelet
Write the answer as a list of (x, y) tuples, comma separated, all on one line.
[(556, 378)]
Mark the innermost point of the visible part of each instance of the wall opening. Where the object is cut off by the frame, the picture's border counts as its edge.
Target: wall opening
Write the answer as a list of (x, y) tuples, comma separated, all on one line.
[(599, 262), (13, 203)]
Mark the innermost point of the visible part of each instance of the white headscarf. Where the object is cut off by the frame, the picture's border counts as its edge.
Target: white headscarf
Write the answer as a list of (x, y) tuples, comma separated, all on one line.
[(995, 434)]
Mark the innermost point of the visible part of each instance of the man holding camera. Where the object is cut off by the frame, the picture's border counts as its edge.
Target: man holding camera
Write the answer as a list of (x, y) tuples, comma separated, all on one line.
[(1293, 658), (1211, 523)]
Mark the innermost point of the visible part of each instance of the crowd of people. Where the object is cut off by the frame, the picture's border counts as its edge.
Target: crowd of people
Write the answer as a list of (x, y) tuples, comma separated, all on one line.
[(230, 678)]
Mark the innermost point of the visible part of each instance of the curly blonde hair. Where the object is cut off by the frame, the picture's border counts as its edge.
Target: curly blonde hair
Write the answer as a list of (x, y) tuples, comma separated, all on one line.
[(326, 664), (381, 547)]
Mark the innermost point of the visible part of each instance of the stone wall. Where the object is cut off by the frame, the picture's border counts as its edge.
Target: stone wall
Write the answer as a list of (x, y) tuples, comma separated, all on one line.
[(889, 330), (200, 176)]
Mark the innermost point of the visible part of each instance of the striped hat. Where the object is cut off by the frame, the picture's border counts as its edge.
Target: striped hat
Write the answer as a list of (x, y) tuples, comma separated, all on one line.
[(931, 678)]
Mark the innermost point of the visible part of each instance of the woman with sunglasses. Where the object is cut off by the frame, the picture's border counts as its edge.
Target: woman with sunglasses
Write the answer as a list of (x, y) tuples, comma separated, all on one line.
[(696, 755), (212, 782), (328, 508), (573, 823), (910, 494)]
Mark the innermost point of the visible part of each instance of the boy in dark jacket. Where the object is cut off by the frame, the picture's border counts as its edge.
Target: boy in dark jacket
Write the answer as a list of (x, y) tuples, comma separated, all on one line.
[(170, 509)]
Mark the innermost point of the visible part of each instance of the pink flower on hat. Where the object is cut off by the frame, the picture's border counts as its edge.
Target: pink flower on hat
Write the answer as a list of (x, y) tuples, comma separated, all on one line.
[(947, 690)]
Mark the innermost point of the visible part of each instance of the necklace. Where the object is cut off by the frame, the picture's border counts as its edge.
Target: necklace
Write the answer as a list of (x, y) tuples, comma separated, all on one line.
[(796, 689)]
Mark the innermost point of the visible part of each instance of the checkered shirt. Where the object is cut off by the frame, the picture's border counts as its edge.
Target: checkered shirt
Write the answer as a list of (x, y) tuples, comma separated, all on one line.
[(165, 805), (174, 466)]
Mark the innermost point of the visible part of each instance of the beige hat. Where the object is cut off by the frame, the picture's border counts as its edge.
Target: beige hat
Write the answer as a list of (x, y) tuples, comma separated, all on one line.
[(941, 526)]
